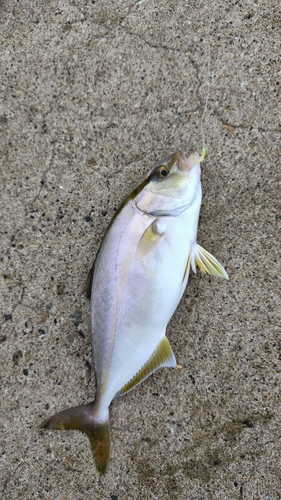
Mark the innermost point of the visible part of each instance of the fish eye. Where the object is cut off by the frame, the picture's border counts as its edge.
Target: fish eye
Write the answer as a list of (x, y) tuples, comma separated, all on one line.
[(161, 172)]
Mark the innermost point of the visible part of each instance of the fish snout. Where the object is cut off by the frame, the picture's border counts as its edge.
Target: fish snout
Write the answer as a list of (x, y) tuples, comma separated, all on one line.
[(187, 163)]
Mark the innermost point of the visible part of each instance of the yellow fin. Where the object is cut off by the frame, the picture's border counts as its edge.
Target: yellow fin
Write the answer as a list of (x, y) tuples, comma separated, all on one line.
[(149, 240), (162, 356), (206, 262), (187, 267)]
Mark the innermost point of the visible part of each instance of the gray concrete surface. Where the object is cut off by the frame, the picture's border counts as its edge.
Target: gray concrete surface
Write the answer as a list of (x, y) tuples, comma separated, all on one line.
[(92, 94)]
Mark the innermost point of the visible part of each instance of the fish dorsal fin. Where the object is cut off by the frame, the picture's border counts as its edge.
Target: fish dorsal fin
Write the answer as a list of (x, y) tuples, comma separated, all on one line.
[(206, 262), (162, 356), (89, 281), (150, 238)]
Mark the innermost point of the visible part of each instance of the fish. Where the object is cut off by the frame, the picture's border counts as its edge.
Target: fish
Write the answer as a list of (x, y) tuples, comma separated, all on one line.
[(135, 284)]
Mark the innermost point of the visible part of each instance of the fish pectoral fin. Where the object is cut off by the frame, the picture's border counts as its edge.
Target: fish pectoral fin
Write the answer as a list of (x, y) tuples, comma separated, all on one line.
[(161, 357), (150, 238), (84, 418), (206, 262)]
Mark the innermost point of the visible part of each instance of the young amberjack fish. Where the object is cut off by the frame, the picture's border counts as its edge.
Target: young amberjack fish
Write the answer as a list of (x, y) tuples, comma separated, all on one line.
[(135, 285)]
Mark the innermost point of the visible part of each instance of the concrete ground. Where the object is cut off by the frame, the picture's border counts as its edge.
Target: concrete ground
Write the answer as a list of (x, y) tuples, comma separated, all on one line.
[(93, 93)]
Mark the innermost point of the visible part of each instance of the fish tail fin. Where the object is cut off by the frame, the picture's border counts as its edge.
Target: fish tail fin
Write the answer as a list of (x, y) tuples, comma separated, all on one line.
[(85, 418)]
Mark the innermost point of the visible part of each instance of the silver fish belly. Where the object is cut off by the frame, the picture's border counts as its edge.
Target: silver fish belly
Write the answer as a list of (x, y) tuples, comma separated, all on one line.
[(135, 285)]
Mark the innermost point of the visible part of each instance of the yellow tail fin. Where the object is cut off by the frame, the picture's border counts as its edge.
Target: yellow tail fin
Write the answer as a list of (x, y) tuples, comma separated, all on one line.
[(83, 418)]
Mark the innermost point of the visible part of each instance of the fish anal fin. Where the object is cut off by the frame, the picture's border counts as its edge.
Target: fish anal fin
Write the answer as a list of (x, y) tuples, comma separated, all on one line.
[(206, 262), (83, 418), (162, 356), (150, 238)]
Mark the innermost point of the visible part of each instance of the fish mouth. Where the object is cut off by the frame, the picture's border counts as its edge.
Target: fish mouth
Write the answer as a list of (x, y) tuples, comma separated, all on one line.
[(187, 163)]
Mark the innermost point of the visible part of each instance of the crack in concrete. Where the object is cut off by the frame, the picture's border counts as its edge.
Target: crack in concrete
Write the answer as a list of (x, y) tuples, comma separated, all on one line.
[(151, 45)]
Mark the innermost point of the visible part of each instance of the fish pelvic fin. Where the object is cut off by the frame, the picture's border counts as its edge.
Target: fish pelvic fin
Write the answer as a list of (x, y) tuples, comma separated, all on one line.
[(187, 268), (84, 418), (161, 357), (206, 262)]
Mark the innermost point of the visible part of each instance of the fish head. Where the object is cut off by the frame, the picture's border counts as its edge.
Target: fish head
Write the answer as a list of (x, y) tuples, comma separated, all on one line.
[(172, 186)]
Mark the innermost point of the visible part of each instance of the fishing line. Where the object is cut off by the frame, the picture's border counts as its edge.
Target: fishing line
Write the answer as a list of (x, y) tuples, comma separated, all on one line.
[(205, 110), (207, 97)]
